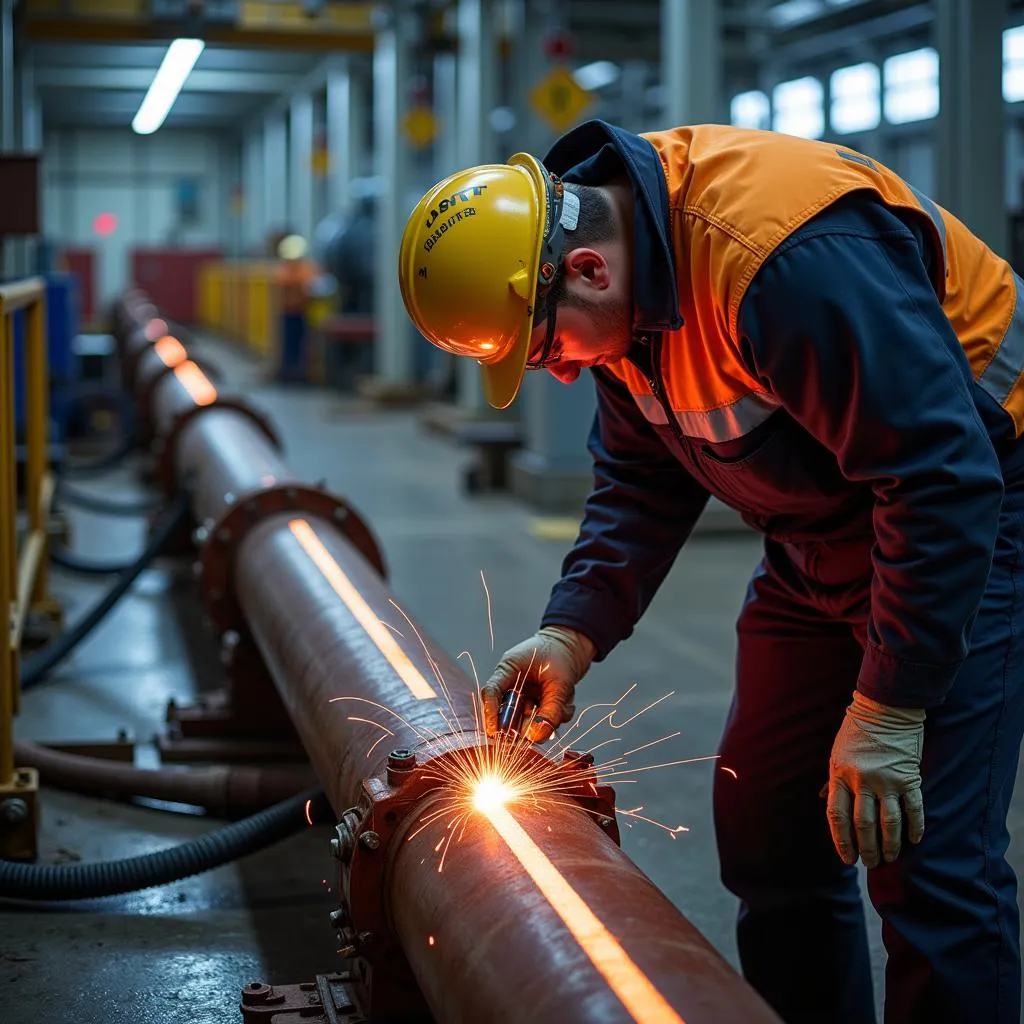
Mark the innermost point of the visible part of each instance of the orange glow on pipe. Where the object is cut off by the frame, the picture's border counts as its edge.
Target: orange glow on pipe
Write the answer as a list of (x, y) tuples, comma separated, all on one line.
[(156, 328), (361, 611), (633, 988), (171, 351), (195, 382)]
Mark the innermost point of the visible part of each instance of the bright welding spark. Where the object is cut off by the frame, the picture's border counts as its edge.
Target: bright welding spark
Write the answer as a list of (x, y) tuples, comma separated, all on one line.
[(491, 791), (430, 940), (394, 629), (634, 813), (731, 771), (308, 817), (633, 988), (633, 718), (490, 620)]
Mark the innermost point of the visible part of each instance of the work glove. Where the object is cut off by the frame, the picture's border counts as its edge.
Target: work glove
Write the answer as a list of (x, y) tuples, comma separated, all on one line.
[(552, 662), (875, 779)]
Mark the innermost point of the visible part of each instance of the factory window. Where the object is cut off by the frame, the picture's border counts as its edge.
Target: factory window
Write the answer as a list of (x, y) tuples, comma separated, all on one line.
[(911, 86), (856, 100), (1013, 64), (799, 108), (750, 110)]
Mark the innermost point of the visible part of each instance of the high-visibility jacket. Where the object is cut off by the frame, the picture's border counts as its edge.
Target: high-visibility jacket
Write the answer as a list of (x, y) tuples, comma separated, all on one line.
[(823, 348)]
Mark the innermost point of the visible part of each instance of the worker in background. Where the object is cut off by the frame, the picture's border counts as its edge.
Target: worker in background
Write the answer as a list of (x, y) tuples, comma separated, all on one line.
[(789, 326), (294, 278)]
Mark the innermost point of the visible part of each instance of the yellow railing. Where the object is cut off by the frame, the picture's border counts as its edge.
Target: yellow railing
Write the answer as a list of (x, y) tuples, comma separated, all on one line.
[(238, 299), (23, 579)]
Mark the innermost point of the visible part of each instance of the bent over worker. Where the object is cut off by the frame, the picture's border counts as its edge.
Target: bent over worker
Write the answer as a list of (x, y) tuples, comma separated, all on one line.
[(789, 326)]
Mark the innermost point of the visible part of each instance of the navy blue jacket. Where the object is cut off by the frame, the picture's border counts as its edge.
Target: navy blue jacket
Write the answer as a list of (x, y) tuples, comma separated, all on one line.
[(882, 432)]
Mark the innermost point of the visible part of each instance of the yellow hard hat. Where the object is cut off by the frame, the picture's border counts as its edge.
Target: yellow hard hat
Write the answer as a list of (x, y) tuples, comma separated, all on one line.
[(479, 250), (292, 247)]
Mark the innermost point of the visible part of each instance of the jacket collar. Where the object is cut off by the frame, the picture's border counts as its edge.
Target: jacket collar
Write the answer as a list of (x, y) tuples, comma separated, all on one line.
[(591, 154)]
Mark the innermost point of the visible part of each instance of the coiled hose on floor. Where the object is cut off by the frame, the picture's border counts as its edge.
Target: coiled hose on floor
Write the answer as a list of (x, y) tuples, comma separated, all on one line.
[(66, 493), (39, 665), (110, 878)]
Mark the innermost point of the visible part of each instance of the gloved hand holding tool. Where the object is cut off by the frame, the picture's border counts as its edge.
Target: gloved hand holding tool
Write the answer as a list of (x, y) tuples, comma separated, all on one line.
[(875, 772), (546, 668)]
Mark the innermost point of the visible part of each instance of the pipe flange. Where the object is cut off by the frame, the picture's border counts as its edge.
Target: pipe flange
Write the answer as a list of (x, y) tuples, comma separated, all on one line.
[(224, 537), (165, 447), (370, 834)]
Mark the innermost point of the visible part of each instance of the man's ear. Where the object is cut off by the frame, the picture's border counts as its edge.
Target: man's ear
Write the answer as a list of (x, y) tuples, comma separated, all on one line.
[(588, 268)]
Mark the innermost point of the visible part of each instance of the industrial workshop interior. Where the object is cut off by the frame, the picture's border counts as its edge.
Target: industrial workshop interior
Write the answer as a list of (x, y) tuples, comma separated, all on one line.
[(511, 511)]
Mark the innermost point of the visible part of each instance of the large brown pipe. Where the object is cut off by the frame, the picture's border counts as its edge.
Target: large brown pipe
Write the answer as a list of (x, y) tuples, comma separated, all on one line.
[(501, 952), (492, 926)]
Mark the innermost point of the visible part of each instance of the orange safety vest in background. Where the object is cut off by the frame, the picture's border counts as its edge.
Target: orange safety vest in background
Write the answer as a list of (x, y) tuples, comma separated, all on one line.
[(293, 280), (734, 197)]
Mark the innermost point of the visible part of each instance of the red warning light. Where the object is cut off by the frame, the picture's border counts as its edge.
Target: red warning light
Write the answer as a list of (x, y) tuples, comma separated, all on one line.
[(104, 224)]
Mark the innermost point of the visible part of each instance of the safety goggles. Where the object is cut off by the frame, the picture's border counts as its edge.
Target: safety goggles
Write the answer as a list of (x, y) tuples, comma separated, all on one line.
[(562, 213)]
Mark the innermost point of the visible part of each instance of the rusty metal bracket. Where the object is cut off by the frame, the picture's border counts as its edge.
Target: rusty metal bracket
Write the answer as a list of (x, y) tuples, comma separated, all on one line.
[(19, 816), (242, 721), (331, 999)]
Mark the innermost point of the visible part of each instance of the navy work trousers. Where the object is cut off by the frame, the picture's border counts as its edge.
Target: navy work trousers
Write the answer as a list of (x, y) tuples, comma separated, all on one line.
[(948, 905), (293, 347)]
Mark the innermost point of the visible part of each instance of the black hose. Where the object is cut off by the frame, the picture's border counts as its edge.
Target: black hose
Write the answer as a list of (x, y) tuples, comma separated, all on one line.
[(66, 493), (36, 668), (109, 878), (104, 462), (86, 566)]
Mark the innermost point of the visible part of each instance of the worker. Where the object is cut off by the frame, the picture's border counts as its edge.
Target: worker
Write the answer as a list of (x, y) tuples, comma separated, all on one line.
[(295, 277), (788, 326)]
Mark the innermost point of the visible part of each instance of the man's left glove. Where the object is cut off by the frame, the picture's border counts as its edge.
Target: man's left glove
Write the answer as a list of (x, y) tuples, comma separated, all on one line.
[(875, 773)]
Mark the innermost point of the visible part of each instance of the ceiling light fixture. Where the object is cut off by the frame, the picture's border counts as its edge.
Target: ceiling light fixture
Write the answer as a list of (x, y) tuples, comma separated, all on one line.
[(175, 68)]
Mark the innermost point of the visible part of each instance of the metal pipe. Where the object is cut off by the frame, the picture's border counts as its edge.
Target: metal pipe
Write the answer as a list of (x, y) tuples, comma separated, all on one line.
[(316, 649), (501, 950), (236, 460), (228, 791), (488, 944)]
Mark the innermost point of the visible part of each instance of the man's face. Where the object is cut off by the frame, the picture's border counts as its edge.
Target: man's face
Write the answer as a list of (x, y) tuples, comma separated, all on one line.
[(594, 324)]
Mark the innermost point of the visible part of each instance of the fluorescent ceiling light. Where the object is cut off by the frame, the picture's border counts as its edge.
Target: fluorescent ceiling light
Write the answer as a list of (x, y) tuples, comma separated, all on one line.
[(596, 75), (176, 66)]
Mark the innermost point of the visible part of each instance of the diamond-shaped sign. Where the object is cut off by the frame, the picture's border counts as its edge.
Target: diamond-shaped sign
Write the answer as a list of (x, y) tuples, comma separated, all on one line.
[(559, 99), (420, 126)]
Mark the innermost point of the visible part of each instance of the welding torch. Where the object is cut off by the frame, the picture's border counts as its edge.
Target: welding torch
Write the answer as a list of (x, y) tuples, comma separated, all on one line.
[(516, 705)]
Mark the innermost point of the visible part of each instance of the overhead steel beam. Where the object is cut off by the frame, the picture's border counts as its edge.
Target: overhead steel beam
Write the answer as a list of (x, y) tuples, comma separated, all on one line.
[(121, 78), (149, 55), (338, 27), (218, 107)]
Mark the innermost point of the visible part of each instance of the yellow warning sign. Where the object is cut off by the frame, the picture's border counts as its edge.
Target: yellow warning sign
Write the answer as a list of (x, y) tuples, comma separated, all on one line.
[(420, 126), (559, 99), (320, 161)]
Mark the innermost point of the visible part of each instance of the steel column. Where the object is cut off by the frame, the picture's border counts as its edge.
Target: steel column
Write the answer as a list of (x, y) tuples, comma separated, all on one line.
[(393, 356)]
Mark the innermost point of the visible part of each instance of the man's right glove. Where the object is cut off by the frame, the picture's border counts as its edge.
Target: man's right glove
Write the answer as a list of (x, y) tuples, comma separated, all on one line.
[(555, 659)]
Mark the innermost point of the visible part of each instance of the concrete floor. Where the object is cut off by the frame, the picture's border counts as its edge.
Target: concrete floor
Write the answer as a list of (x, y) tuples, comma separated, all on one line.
[(182, 953)]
